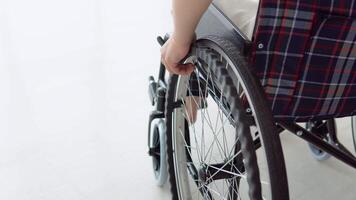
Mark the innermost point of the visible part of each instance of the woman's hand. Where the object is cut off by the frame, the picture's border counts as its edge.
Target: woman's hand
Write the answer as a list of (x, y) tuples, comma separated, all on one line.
[(185, 21), (172, 53)]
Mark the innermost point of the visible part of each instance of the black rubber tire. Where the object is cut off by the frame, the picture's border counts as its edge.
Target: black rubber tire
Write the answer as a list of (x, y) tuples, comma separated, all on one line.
[(270, 137), (159, 158)]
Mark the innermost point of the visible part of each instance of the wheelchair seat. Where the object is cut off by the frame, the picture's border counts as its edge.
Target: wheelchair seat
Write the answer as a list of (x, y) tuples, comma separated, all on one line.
[(242, 13), (304, 54)]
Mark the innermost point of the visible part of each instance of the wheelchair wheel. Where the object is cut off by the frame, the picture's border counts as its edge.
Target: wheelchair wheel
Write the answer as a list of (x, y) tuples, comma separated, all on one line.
[(325, 129), (232, 149), (158, 150), (157, 127)]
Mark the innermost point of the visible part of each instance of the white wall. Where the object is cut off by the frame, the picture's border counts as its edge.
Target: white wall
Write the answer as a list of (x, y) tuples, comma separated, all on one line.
[(73, 98)]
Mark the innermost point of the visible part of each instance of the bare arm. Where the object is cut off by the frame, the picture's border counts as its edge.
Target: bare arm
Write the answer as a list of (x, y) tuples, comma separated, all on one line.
[(186, 15)]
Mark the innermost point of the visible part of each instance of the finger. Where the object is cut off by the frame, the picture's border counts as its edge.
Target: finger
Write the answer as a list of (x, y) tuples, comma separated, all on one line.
[(168, 68), (171, 67), (164, 62), (185, 69)]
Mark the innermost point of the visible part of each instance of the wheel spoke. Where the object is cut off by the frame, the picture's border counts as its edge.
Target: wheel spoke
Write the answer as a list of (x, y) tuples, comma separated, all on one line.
[(209, 124)]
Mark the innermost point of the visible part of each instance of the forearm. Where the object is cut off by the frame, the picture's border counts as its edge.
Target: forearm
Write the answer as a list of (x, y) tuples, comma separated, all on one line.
[(186, 16)]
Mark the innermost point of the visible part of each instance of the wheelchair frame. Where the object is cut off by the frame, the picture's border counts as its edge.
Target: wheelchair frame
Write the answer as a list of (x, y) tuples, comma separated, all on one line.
[(214, 22), (220, 24)]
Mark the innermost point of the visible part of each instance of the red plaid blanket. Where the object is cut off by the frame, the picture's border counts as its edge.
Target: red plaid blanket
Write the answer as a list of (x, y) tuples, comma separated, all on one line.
[(304, 53)]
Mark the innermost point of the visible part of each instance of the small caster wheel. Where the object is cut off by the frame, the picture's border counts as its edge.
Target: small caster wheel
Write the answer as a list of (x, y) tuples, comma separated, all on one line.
[(157, 150), (322, 128)]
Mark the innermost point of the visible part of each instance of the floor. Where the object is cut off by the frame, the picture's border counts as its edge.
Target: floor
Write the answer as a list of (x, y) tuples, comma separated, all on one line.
[(74, 105)]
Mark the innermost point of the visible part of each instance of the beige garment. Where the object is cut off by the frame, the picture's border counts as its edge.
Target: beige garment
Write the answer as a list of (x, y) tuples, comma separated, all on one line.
[(241, 12)]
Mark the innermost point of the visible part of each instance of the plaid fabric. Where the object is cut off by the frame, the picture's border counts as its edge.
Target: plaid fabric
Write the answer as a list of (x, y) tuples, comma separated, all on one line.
[(304, 53)]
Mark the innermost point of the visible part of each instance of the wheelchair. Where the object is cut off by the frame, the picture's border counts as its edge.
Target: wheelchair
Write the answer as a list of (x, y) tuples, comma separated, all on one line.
[(298, 68)]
